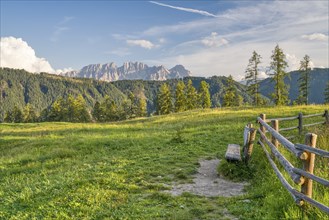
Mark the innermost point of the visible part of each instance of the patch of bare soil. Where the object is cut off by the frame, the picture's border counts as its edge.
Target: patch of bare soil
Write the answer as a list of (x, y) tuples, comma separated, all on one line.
[(207, 183)]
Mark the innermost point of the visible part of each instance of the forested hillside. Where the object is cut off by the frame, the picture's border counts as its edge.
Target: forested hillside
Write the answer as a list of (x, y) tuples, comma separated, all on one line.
[(318, 80), (18, 87)]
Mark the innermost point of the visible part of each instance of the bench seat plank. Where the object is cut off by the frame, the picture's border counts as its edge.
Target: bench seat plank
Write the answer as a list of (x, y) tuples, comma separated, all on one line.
[(233, 152)]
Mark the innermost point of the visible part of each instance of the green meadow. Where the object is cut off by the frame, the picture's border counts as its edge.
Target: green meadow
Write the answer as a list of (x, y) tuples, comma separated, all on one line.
[(121, 170)]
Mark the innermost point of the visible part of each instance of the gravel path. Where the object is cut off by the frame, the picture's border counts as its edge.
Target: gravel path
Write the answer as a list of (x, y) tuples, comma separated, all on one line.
[(207, 183)]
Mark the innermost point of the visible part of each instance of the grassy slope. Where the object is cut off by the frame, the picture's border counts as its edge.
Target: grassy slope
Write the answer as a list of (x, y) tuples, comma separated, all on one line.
[(118, 170)]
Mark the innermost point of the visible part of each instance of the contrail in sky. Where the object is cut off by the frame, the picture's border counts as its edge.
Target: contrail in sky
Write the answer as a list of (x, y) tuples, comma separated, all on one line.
[(205, 13)]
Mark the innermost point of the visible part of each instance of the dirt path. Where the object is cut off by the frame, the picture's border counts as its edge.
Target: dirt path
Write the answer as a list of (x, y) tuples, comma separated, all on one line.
[(207, 183)]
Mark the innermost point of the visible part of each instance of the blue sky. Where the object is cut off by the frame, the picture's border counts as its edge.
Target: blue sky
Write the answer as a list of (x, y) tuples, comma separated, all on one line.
[(207, 37)]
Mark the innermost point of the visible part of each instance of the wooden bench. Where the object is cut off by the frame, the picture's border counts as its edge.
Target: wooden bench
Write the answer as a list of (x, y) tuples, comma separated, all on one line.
[(233, 152)]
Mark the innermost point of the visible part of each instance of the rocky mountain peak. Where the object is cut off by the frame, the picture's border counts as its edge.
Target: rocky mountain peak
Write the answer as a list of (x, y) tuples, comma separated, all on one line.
[(179, 71), (130, 67), (129, 70)]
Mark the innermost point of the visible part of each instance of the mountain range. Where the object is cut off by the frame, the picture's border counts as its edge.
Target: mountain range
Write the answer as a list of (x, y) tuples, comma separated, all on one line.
[(18, 87), (128, 71)]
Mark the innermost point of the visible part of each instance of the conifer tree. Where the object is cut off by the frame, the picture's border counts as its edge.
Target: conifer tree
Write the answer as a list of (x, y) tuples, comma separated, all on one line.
[(278, 66), (141, 107), (3, 86), (252, 73), (80, 112), (44, 115), (140, 102), (191, 96), (97, 111), (17, 115), (204, 95), (125, 110), (110, 110), (133, 107), (56, 112), (180, 101), (230, 93), (304, 79), (9, 117), (29, 114), (70, 113), (164, 100), (238, 99)]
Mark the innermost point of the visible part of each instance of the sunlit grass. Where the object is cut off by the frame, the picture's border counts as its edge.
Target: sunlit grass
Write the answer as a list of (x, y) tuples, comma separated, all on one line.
[(119, 170)]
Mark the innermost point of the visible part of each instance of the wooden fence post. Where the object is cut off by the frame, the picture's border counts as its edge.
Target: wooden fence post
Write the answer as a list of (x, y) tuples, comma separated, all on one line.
[(275, 126), (308, 164), (300, 123), (262, 128), (326, 115), (275, 142), (250, 144)]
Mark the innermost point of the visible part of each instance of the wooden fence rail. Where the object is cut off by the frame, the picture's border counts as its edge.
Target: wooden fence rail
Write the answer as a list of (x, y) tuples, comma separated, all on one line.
[(305, 152), (300, 118)]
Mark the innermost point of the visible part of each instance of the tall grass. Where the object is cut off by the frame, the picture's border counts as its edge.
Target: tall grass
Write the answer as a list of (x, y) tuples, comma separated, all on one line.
[(120, 170)]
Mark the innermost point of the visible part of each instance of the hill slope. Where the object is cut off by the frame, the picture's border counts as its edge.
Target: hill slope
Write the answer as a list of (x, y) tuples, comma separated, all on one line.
[(121, 170), (18, 87), (318, 81)]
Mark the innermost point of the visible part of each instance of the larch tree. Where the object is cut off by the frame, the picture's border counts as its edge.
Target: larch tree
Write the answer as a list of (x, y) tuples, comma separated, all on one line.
[(252, 77), (180, 101), (165, 105), (204, 95), (141, 101), (141, 107), (230, 93), (29, 113), (304, 80), (9, 117), (3, 86), (133, 107), (110, 109), (97, 112), (56, 111), (80, 112), (278, 72), (191, 96), (18, 116)]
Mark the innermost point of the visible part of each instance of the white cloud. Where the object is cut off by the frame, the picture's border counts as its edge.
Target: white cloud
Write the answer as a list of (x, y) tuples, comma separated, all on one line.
[(316, 36), (293, 61), (205, 13), (214, 40), (65, 70), (16, 53), (262, 75), (141, 43)]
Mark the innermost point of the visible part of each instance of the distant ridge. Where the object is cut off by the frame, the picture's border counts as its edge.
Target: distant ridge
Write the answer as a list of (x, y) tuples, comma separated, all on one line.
[(318, 80), (128, 71)]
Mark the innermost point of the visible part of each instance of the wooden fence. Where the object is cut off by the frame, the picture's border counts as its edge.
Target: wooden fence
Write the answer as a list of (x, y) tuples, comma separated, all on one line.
[(300, 125), (305, 152)]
